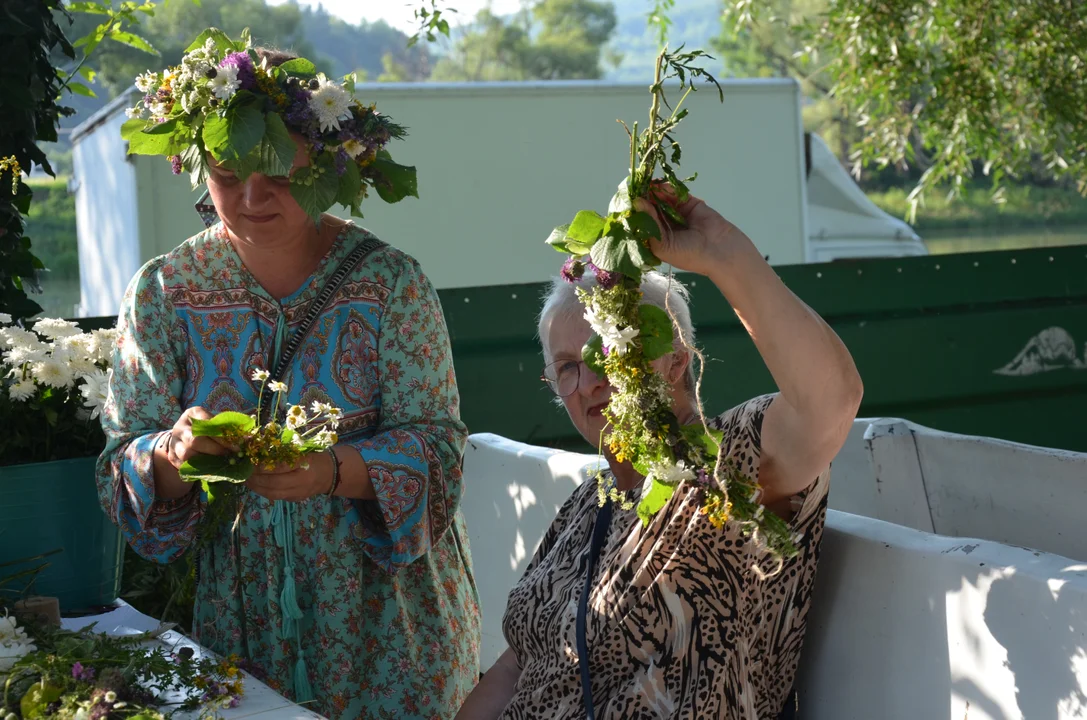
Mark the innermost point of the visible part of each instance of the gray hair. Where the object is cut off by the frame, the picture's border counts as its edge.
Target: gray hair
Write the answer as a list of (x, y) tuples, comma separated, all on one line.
[(664, 291)]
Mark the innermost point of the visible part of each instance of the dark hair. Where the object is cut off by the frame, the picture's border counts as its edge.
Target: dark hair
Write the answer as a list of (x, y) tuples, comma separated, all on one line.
[(274, 57)]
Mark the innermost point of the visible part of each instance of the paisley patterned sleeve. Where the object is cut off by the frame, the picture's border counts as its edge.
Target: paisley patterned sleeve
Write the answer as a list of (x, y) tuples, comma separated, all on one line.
[(414, 459), (144, 388)]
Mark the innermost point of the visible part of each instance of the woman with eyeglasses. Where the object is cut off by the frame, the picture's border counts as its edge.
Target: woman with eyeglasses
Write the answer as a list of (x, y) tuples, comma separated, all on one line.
[(679, 623)]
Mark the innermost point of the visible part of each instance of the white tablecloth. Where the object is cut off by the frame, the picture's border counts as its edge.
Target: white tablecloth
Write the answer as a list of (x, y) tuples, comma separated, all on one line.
[(258, 701)]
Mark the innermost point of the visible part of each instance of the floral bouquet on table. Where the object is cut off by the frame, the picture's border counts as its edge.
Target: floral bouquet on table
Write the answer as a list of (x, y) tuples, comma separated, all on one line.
[(53, 382), (84, 675), (284, 440), (224, 99), (629, 335)]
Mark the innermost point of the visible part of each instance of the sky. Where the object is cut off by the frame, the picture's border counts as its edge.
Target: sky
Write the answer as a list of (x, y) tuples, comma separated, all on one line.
[(399, 13)]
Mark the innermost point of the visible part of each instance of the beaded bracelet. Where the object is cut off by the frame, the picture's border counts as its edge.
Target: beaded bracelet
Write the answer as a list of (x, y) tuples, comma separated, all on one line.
[(335, 473)]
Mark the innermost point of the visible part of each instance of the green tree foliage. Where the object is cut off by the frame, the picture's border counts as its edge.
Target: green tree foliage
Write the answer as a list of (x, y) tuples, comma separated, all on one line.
[(952, 86), (555, 40)]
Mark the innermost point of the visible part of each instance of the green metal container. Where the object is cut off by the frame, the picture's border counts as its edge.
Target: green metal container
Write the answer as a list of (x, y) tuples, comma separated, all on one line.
[(54, 506)]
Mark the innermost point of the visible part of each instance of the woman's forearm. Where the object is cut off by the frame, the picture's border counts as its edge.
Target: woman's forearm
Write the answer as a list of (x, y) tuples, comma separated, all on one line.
[(494, 691), (809, 363)]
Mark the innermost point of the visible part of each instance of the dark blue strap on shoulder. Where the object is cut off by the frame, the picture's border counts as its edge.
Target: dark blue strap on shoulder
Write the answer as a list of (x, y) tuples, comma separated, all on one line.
[(600, 533)]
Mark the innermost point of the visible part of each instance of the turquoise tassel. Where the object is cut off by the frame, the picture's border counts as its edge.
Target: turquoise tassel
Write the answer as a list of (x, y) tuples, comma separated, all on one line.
[(277, 520), (303, 692), (288, 601)]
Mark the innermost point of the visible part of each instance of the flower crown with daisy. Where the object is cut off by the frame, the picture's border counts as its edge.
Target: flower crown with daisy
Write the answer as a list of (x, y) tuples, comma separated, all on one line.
[(224, 99)]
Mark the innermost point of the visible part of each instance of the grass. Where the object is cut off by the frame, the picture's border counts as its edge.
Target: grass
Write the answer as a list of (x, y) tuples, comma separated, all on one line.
[(1025, 206), (51, 227)]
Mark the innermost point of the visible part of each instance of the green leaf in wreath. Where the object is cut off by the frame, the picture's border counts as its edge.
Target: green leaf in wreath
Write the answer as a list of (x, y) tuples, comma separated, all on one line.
[(277, 147), (642, 226), (350, 183), (584, 231), (233, 134), (159, 142), (557, 239), (655, 332), (315, 186), (221, 39), (394, 182), (654, 500), (593, 355), (196, 161), (617, 252), (709, 443), (299, 67), (216, 468), (228, 422)]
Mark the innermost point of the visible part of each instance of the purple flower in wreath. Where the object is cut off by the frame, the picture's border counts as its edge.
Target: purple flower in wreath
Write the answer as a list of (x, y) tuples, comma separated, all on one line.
[(175, 164), (572, 270), (79, 672), (606, 278), (246, 77)]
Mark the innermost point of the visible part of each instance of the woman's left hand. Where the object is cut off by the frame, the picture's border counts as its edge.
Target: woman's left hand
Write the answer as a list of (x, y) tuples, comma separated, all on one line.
[(703, 243), (311, 478)]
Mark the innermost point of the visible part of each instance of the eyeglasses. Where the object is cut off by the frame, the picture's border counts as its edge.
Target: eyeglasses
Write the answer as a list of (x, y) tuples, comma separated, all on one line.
[(563, 376)]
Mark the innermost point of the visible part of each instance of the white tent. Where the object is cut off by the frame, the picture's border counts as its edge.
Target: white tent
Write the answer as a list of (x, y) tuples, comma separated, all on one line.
[(843, 222)]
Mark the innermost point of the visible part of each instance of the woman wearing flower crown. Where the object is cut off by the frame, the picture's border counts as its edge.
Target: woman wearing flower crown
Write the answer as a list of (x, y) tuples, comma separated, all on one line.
[(346, 580)]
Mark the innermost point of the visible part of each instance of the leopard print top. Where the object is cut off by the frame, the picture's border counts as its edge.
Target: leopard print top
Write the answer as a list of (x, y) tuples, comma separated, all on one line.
[(679, 624)]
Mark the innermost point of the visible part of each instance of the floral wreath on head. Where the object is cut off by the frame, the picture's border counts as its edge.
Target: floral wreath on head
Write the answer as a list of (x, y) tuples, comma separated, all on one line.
[(225, 100)]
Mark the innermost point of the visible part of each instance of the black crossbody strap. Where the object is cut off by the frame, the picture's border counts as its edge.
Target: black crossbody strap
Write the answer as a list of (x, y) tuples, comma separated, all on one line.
[(319, 303), (600, 533)]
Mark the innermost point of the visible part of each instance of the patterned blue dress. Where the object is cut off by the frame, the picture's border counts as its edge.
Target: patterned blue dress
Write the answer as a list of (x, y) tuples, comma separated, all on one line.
[(364, 609)]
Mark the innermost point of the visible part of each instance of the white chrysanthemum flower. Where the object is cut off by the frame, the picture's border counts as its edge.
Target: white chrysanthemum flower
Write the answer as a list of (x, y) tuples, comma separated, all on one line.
[(55, 328), (14, 644), (103, 344), (261, 375), (353, 147), (330, 103), (53, 373), (133, 112), (146, 81), (320, 408), (95, 388), (5, 318), (277, 386), (618, 341), (601, 324), (669, 473), (225, 83), (30, 352), (22, 390), (297, 440)]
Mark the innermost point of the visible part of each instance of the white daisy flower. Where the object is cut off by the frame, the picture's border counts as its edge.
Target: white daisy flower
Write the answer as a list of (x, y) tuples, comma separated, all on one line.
[(146, 81), (95, 388), (159, 108), (261, 375), (225, 83), (133, 112), (330, 103), (277, 386), (22, 390), (296, 417)]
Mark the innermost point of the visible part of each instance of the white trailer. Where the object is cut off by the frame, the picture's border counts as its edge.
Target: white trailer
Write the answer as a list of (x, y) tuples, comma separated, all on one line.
[(500, 165)]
